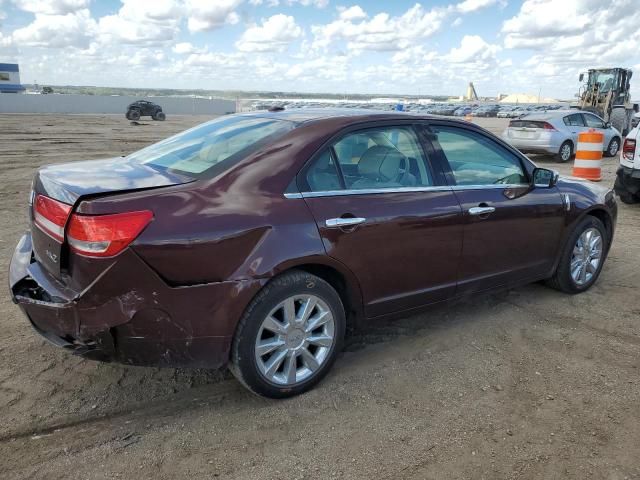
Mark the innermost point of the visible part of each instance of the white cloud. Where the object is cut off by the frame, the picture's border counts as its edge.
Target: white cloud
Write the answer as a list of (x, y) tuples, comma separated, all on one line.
[(473, 49), (352, 13), (543, 22), (142, 22), (305, 3), (596, 35), (56, 31), (183, 48), (468, 6), (51, 7), (168, 41), (275, 33), (208, 15), (382, 32)]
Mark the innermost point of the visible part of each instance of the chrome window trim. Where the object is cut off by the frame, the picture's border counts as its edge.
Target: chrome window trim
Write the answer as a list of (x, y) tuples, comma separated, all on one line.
[(375, 191)]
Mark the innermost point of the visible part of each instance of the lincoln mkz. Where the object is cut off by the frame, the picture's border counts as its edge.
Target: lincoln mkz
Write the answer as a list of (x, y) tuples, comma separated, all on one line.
[(256, 240)]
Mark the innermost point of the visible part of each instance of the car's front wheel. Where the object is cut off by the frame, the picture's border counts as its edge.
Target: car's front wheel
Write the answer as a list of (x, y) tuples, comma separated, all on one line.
[(289, 336), (582, 258)]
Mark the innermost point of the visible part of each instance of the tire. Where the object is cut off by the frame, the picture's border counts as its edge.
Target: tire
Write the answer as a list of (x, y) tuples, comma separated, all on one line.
[(291, 288), (619, 119), (563, 154), (630, 198), (160, 116), (613, 148), (563, 279), (133, 114)]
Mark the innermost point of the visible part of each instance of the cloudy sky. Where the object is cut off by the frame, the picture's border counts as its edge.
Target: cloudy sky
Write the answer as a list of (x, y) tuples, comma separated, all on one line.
[(359, 46)]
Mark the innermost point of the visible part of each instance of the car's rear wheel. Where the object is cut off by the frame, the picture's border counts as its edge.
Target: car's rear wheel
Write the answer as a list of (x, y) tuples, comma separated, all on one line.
[(613, 147), (289, 336), (582, 258), (133, 114), (566, 152)]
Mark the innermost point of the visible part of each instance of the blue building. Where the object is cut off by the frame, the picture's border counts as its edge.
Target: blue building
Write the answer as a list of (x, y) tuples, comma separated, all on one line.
[(10, 78)]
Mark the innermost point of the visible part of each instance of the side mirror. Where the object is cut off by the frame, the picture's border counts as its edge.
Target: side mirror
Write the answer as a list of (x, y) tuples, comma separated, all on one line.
[(544, 178), (581, 77), (607, 125)]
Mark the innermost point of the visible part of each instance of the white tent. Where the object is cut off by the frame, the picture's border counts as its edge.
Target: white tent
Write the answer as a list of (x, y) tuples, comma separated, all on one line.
[(526, 98)]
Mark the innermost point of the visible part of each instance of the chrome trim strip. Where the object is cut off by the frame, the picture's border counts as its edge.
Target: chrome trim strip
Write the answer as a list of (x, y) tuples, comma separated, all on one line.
[(492, 186), (375, 191), (293, 195)]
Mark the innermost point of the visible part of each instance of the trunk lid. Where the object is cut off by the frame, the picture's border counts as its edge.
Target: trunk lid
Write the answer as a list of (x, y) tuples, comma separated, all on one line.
[(70, 182), (528, 129)]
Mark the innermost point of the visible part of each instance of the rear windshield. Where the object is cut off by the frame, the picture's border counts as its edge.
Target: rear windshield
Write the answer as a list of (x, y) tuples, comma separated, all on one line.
[(526, 124), (201, 148)]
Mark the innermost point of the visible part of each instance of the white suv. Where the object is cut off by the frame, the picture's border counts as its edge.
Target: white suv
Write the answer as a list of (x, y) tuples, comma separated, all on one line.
[(627, 185)]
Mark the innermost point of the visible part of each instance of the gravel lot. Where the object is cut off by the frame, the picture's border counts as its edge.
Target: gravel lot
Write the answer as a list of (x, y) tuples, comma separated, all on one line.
[(529, 383)]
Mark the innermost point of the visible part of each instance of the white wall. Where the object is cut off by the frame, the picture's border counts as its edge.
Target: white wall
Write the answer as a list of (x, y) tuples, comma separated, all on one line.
[(52, 103)]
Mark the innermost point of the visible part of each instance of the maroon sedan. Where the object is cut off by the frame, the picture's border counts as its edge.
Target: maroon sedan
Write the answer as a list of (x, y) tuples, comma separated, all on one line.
[(254, 240)]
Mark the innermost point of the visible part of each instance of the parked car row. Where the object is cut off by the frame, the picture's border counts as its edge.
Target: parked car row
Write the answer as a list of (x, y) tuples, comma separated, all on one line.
[(444, 109), (480, 109)]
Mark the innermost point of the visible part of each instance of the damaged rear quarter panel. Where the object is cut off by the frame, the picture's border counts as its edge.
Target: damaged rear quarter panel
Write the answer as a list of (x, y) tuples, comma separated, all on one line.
[(209, 234)]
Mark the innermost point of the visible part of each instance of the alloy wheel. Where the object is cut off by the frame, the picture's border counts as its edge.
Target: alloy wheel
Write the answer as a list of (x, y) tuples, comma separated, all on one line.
[(295, 340), (565, 152), (613, 147), (586, 257)]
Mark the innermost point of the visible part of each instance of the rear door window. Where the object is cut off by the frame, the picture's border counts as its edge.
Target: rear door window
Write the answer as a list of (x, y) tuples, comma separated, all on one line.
[(385, 157), (323, 175)]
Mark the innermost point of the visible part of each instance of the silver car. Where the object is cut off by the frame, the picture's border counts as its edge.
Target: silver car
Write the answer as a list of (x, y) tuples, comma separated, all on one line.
[(556, 133)]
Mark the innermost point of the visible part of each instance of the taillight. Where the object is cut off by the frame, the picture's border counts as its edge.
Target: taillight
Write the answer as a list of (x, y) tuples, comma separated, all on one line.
[(629, 148), (51, 216), (548, 126), (105, 235)]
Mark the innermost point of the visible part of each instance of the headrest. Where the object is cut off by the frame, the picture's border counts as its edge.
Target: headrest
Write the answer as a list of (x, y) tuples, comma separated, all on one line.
[(381, 163)]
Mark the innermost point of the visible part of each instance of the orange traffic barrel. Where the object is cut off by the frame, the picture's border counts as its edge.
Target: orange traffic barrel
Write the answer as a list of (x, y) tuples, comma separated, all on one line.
[(588, 163)]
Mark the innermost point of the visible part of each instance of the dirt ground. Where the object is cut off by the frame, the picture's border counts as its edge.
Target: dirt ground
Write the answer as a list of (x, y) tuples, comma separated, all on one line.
[(529, 383)]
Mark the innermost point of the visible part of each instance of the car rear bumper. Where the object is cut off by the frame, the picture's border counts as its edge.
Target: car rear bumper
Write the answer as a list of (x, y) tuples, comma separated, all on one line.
[(129, 314), (543, 146)]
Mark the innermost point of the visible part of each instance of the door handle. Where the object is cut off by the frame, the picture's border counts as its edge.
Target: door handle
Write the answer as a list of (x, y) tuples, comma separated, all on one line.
[(481, 210), (344, 222)]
